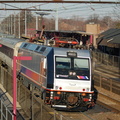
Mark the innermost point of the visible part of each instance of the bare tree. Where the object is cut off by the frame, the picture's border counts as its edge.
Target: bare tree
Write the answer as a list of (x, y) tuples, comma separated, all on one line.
[(116, 13), (106, 22), (93, 18)]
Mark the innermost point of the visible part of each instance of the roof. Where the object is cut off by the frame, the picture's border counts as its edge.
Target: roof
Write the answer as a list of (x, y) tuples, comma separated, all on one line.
[(11, 42), (115, 40), (7, 35), (45, 50), (109, 36), (63, 51), (64, 31)]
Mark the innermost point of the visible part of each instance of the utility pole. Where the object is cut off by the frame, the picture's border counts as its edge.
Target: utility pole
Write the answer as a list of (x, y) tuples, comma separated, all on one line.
[(41, 15), (14, 24), (56, 21), (19, 24), (11, 23), (36, 22), (25, 23), (8, 25)]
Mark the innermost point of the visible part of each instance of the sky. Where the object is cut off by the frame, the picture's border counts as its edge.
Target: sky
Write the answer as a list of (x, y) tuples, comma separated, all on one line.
[(66, 10)]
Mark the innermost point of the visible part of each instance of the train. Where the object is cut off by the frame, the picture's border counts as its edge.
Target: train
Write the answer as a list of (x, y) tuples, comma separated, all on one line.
[(62, 75)]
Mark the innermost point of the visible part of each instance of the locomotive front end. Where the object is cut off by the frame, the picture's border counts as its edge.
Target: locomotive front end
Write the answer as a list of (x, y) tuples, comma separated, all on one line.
[(72, 80)]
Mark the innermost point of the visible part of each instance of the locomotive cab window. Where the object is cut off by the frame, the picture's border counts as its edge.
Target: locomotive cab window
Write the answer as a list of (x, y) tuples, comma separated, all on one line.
[(72, 68), (63, 63)]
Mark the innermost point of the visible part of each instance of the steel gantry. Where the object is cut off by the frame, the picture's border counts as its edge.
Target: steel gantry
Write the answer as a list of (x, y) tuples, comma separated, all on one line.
[(59, 1)]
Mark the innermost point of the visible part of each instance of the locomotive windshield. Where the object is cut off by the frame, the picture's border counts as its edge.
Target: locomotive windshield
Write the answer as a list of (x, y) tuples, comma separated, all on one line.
[(72, 68)]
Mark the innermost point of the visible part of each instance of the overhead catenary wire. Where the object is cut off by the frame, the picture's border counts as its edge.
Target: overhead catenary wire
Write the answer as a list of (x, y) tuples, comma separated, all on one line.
[(85, 9), (100, 10)]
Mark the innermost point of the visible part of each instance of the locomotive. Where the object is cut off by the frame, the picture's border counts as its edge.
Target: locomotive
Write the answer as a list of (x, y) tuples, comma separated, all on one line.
[(63, 75)]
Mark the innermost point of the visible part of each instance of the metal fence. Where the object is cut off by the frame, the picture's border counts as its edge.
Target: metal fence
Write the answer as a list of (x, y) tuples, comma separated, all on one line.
[(5, 113), (109, 84), (106, 59), (109, 62)]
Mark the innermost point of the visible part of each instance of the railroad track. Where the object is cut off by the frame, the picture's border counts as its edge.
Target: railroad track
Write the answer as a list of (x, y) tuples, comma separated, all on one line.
[(101, 111), (109, 102), (106, 110)]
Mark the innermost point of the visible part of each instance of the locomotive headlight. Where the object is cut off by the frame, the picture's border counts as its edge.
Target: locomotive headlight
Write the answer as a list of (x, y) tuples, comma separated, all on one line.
[(74, 73), (70, 73)]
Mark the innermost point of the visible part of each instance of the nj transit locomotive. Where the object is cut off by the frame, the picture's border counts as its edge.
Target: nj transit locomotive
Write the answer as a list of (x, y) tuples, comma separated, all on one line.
[(62, 75)]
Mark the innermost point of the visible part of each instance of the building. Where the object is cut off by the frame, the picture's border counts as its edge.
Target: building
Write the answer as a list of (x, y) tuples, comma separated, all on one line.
[(109, 42), (93, 29)]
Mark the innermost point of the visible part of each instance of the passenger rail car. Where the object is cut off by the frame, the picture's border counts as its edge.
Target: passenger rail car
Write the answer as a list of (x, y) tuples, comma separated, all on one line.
[(62, 75), (8, 50)]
